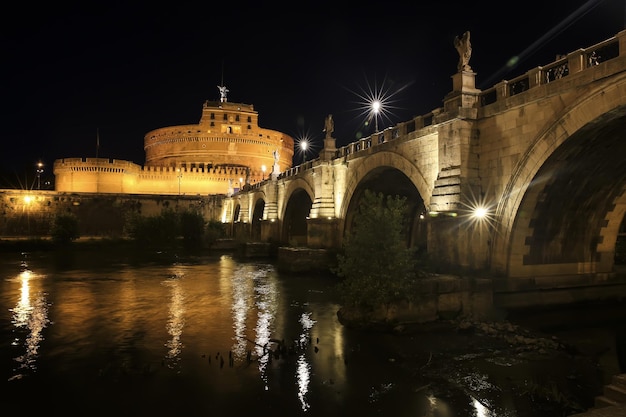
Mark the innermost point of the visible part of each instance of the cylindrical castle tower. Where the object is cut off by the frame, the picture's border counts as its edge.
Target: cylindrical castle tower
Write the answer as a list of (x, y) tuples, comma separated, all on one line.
[(228, 135), (222, 153)]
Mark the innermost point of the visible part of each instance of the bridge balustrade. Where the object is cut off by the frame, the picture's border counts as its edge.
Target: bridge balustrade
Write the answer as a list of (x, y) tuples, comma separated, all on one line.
[(563, 66)]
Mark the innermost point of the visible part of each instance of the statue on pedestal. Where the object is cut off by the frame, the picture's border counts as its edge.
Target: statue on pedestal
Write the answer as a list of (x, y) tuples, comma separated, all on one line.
[(231, 190), (464, 48), (329, 126), (275, 168)]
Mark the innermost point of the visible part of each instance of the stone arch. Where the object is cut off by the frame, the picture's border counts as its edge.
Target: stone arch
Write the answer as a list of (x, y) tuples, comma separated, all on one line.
[(603, 104), (257, 215), (361, 168), (295, 228)]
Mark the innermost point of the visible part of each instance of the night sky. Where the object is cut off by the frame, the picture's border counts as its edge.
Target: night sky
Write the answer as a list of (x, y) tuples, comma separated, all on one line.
[(76, 73)]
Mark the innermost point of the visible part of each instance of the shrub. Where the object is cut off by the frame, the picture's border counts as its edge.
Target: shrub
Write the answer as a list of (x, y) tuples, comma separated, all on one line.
[(192, 228), (64, 228), (213, 231), (376, 265)]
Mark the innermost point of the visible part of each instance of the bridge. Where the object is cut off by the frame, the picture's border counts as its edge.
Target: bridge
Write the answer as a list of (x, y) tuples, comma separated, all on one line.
[(543, 154)]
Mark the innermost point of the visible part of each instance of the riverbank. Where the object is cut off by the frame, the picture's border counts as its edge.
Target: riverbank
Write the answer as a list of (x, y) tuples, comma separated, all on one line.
[(505, 365)]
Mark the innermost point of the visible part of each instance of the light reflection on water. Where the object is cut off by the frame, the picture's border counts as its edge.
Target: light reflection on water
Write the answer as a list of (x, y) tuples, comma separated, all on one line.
[(133, 334), (30, 317), (176, 317)]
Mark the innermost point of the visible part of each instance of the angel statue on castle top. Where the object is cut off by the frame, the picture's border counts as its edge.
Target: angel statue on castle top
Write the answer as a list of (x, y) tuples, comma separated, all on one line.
[(223, 92)]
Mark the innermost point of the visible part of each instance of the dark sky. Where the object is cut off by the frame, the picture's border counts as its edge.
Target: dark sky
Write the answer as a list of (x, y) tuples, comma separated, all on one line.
[(72, 73)]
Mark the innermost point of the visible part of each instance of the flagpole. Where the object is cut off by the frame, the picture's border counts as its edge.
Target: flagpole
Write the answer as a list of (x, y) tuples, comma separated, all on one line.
[(97, 141)]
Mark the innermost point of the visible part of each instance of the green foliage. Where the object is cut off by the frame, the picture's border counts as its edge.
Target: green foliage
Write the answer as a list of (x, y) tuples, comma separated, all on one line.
[(161, 230), (64, 228), (192, 228), (213, 231), (376, 264), (167, 229)]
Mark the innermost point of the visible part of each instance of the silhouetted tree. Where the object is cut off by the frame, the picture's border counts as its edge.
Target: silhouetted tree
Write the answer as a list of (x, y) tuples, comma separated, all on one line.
[(64, 228), (376, 266)]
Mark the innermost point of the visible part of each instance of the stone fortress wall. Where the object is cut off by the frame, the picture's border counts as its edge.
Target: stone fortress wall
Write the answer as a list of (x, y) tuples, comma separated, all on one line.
[(29, 213)]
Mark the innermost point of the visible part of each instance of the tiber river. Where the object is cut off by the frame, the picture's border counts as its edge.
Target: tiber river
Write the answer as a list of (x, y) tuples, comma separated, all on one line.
[(88, 334)]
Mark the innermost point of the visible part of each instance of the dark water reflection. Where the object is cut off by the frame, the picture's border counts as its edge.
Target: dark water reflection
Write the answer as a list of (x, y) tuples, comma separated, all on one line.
[(95, 335)]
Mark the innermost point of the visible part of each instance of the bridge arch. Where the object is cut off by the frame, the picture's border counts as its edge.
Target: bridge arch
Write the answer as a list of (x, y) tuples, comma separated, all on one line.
[(298, 197), (575, 168), (391, 174), (257, 216)]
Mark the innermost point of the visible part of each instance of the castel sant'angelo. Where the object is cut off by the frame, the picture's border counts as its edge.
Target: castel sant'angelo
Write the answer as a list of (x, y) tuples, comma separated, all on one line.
[(225, 151)]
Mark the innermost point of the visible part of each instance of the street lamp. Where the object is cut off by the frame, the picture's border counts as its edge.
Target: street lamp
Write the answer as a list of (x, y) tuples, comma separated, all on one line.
[(375, 110), (179, 174), (39, 172), (303, 145), (263, 168)]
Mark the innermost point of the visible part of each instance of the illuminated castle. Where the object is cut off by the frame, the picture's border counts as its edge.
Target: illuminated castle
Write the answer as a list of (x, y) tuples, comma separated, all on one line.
[(225, 151)]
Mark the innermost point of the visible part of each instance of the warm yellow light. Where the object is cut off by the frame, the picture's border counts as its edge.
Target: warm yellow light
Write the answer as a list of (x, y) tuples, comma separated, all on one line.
[(28, 199), (480, 212)]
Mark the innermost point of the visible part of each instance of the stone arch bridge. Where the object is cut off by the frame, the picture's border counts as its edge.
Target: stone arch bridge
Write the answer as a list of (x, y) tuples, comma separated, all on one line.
[(544, 154)]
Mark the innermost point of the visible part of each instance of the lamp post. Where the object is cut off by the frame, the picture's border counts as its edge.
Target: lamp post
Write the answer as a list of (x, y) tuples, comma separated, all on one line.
[(263, 168), (375, 110), (179, 174), (303, 145), (39, 172)]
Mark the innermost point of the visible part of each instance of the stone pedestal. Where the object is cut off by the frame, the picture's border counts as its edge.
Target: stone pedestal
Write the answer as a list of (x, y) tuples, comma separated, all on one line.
[(465, 82), (464, 92), (330, 148)]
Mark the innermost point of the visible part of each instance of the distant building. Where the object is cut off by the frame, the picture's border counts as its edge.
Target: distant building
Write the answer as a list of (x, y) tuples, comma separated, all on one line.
[(222, 153)]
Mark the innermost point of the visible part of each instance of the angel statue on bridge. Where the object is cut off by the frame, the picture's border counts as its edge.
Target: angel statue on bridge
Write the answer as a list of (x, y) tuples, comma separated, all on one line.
[(464, 48), (330, 126)]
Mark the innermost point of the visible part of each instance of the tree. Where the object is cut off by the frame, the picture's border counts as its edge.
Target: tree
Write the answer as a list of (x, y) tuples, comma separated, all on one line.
[(376, 265), (155, 231), (192, 228), (64, 228), (214, 230)]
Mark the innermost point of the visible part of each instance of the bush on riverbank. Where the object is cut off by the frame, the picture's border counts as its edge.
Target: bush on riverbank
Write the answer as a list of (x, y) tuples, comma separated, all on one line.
[(170, 228), (64, 229), (376, 264)]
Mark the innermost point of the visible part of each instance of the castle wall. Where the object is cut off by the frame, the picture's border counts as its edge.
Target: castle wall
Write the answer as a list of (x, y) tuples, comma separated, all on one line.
[(99, 175), (28, 213)]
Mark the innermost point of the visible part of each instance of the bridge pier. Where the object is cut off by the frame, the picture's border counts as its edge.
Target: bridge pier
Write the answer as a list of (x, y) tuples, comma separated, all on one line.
[(455, 243), (241, 230), (270, 231), (322, 233)]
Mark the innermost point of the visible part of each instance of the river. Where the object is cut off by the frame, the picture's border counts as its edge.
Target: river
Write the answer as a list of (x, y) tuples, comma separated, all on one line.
[(96, 334)]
